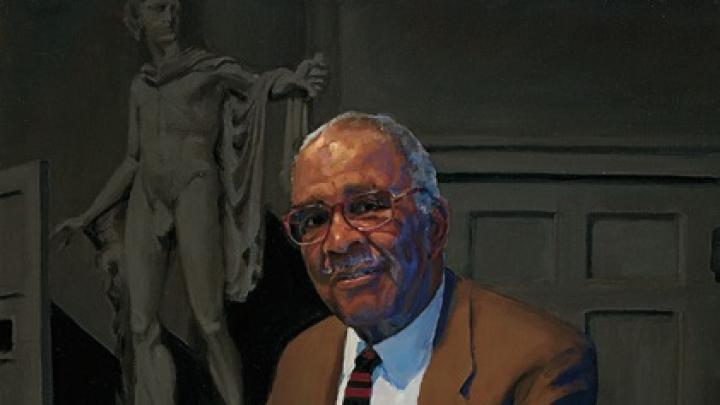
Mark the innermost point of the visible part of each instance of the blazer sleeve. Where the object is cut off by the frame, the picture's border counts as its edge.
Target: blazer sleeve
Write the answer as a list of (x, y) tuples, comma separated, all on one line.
[(569, 378)]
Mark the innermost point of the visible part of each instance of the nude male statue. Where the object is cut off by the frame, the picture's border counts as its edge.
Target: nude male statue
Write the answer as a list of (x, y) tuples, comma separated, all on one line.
[(190, 110)]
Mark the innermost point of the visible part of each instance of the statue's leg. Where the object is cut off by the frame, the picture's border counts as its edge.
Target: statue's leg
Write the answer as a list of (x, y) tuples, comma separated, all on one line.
[(146, 266), (199, 237)]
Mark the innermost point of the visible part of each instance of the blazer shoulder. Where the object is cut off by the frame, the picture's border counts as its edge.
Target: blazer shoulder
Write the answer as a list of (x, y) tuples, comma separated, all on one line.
[(329, 330), (309, 349), (308, 363), (526, 333)]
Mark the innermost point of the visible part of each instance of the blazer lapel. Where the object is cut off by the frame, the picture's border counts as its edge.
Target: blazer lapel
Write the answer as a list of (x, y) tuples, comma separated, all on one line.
[(451, 364)]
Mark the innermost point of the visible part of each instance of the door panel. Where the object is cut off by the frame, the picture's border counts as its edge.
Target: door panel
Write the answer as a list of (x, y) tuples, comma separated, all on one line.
[(646, 373), (24, 305)]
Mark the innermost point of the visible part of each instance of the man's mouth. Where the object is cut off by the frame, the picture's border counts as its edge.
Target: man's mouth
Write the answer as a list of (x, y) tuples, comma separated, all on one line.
[(356, 278), (363, 271)]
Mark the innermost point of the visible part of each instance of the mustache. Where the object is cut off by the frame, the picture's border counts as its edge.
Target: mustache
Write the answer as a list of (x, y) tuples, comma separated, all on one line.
[(340, 266), (348, 263)]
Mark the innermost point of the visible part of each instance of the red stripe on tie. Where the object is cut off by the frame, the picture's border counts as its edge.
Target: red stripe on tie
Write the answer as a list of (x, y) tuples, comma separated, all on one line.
[(358, 392), (360, 377)]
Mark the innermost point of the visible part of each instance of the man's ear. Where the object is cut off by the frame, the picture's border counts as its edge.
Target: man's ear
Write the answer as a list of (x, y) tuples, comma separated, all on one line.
[(439, 226)]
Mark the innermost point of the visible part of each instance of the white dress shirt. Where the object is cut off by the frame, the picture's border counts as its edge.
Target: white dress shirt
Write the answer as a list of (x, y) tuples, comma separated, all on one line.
[(405, 357)]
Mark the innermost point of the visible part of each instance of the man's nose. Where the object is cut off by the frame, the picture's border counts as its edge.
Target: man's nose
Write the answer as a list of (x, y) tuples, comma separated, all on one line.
[(341, 236)]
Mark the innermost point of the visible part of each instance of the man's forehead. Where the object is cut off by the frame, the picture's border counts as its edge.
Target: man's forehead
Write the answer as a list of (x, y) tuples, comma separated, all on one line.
[(319, 192), (316, 181), (341, 149), (342, 162), (339, 138)]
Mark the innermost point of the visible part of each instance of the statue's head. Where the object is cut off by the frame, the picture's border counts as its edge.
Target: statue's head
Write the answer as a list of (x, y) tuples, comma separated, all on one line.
[(157, 20)]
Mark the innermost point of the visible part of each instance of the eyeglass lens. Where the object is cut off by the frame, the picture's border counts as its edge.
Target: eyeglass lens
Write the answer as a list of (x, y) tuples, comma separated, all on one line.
[(365, 211)]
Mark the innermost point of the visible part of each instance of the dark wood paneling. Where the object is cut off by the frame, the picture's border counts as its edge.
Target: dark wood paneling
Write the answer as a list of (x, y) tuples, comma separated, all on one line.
[(513, 247), (633, 246), (638, 356), (25, 369)]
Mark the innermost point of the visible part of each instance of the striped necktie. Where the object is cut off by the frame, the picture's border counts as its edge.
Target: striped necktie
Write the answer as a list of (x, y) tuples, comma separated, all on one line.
[(359, 388)]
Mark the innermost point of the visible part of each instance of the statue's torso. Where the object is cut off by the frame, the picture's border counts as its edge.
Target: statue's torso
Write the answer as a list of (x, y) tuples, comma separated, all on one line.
[(178, 126)]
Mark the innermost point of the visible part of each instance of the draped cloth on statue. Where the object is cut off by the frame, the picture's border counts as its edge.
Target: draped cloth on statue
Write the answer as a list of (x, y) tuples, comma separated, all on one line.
[(241, 160), (296, 127)]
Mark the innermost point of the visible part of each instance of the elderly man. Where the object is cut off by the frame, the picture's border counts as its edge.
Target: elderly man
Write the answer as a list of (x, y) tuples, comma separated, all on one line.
[(372, 226)]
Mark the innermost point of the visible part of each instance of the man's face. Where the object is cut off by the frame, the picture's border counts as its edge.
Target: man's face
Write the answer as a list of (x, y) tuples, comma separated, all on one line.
[(369, 279), (160, 20)]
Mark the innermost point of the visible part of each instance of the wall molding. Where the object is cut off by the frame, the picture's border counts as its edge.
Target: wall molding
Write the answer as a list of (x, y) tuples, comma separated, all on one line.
[(693, 158)]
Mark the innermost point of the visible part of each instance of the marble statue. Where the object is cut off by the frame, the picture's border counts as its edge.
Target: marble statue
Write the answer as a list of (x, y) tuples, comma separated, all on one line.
[(190, 183)]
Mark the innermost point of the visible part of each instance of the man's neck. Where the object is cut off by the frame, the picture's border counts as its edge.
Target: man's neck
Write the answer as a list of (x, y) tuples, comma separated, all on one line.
[(389, 327)]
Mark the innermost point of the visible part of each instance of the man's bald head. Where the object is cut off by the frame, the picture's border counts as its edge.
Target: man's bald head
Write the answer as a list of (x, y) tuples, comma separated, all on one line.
[(420, 167)]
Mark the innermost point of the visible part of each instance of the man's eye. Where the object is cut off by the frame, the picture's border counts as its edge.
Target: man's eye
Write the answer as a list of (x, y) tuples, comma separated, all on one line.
[(365, 205), (315, 220)]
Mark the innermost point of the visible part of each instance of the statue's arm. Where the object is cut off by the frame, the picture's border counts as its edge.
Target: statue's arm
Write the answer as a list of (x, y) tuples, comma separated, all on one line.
[(308, 78), (123, 175), (236, 77)]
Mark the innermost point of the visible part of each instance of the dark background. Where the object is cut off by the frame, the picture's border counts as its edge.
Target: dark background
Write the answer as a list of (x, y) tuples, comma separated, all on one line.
[(558, 74)]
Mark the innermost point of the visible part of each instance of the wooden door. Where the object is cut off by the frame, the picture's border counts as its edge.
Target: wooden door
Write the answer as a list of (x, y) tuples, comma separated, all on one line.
[(621, 246), (25, 369)]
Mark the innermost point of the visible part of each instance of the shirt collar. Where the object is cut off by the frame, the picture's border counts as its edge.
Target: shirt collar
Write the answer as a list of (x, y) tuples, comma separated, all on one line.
[(407, 352)]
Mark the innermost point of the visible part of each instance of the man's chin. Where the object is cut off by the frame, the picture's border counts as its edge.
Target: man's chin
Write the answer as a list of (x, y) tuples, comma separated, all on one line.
[(360, 316), (365, 305)]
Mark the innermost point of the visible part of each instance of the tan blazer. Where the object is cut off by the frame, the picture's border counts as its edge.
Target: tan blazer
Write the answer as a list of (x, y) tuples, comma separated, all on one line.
[(492, 350)]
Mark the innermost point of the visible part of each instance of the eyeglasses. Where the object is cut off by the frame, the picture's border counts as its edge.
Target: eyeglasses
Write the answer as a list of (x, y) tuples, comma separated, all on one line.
[(310, 223)]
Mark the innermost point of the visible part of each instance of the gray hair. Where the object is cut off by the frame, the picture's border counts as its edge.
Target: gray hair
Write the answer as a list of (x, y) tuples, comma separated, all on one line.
[(422, 170)]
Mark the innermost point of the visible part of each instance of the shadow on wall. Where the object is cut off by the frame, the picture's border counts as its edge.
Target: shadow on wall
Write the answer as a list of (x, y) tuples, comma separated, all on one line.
[(283, 305)]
